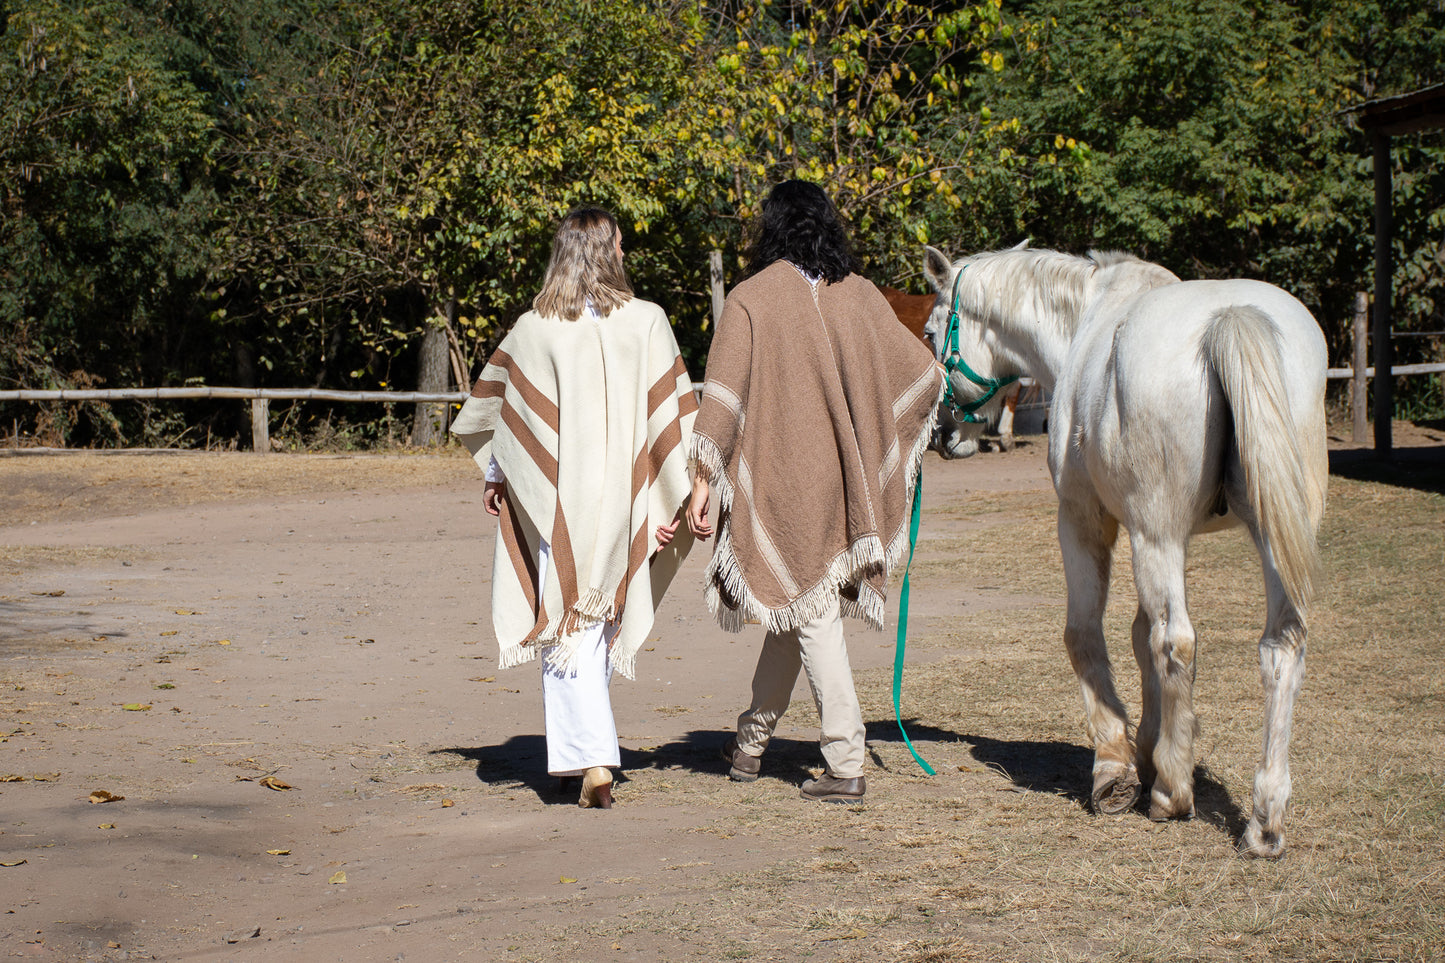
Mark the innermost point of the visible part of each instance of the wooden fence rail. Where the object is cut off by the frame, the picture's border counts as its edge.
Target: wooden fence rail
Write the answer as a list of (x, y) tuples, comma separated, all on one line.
[(261, 398)]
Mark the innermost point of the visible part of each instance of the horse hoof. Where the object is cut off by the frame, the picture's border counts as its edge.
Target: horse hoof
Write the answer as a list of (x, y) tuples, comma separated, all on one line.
[(1116, 793), (1259, 843), (1006, 443)]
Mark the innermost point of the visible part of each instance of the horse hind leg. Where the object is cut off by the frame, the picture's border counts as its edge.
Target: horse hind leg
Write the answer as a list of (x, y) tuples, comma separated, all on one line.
[(1087, 538), (1164, 642), (1281, 670)]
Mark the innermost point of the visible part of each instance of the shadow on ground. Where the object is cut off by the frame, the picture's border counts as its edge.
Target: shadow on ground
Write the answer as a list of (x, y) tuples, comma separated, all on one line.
[(1422, 469), (1056, 768)]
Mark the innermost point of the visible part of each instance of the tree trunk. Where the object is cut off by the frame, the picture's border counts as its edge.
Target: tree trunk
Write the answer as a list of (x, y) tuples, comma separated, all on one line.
[(429, 424)]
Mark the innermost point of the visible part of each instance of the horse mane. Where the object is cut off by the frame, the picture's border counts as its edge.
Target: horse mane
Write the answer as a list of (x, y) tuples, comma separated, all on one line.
[(1044, 285)]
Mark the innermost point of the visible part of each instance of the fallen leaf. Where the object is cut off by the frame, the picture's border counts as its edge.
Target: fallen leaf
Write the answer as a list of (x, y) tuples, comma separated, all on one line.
[(12, 778), (223, 641), (565, 879), (104, 796), (172, 632), (136, 707), (338, 877), (18, 862), (278, 852), (166, 685), (106, 826), (447, 804), (188, 612), (54, 593), (45, 776), (271, 782), (853, 934), (112, 945), (483, 678)]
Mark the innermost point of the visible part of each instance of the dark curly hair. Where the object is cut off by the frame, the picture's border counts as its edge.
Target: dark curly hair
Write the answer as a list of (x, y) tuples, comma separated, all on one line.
[(801, 225)]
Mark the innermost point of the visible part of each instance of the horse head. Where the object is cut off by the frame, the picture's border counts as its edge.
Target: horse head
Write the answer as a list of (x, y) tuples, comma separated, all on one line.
[(979, 363)]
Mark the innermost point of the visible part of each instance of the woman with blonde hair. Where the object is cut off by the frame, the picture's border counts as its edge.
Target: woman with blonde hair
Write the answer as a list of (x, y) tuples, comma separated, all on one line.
[(582, 420)]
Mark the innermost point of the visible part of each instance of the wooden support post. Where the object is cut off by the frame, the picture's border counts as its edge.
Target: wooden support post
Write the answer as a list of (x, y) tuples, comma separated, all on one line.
[(261, 425), (1359, 364), (715, 272), (1384, 228)]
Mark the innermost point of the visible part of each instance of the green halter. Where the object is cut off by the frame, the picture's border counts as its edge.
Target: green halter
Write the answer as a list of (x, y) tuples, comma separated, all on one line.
[(953, 362)]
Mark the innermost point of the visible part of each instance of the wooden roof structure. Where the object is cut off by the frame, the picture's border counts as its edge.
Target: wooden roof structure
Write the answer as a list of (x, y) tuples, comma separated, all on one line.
[(1387, 117)]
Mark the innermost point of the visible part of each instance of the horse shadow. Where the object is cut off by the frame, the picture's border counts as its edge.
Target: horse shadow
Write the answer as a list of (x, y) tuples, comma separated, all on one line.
[(1061, 769)]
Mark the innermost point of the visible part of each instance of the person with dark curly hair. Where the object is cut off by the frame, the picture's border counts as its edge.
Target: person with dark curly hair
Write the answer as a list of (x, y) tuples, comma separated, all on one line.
[(815, 413)]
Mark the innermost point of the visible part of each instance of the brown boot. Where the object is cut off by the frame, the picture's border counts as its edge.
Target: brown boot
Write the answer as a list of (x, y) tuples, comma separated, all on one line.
[(828, 788), (741, 766)]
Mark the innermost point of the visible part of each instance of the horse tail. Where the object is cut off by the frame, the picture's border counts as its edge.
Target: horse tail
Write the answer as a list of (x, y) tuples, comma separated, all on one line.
[(1241, 345)]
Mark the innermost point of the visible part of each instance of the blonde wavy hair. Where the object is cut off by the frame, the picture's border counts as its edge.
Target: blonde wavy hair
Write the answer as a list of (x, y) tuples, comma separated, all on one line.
[(584, 267)]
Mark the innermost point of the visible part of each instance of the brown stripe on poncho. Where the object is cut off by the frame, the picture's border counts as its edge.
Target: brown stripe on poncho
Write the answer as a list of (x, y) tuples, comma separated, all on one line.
[(816, 411)]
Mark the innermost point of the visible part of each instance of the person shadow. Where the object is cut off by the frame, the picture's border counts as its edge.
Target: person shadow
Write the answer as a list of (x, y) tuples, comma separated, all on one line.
[(1052, 767), (522, 761)]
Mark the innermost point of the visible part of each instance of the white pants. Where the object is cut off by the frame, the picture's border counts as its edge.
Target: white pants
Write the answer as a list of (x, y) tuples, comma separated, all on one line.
[(819, 649), (581, 732)]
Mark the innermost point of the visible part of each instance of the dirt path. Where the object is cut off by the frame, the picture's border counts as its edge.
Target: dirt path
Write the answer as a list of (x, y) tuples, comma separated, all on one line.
[(174, 629)]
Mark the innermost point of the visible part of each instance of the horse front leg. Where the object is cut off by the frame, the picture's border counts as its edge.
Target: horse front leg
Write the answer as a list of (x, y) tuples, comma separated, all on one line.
[(1006, 418), (1164, 643), (1281, 670), (1086, 535)]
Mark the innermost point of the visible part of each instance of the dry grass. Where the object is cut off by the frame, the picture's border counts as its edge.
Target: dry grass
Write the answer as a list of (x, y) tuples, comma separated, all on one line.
[(997, 858)]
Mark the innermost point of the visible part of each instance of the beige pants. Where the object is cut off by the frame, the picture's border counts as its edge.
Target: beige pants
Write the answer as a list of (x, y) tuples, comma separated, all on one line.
[(819, 649)]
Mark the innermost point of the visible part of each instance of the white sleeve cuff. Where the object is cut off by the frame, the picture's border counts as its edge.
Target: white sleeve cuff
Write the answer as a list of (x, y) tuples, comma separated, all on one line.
[(494, 470)]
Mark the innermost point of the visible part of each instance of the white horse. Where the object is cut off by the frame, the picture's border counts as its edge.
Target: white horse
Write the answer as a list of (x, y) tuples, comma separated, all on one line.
[(1178, 407)]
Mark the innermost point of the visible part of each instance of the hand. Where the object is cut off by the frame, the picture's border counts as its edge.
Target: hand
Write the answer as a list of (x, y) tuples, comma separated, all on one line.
[(492, 497), (666, 532), (697, 522)]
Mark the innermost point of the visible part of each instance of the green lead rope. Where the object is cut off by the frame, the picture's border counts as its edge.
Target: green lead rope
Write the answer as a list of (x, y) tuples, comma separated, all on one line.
[(903, 624)]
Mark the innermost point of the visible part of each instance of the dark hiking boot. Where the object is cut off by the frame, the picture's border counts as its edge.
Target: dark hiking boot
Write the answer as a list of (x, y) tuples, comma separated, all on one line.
[(834, 790), (741, 766)]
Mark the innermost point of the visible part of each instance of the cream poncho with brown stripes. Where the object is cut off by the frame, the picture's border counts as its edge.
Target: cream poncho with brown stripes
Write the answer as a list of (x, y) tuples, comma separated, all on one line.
[(591, 422)]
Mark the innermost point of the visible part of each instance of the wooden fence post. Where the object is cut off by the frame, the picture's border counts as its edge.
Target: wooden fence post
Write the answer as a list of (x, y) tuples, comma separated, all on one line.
[(429, 423), (1360, 363), (1384, 230), (261, 425), (715, 272)]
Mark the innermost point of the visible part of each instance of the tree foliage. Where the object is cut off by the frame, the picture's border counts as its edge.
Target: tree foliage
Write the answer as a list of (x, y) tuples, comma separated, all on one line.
[(291, 192)]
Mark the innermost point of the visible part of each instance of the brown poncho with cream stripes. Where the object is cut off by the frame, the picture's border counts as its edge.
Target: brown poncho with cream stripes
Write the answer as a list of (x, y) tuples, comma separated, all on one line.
[(816, 411), (590, 421)]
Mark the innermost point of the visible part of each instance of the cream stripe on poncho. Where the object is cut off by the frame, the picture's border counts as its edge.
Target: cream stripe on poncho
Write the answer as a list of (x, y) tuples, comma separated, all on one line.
[(816, 411), (590, 421)]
